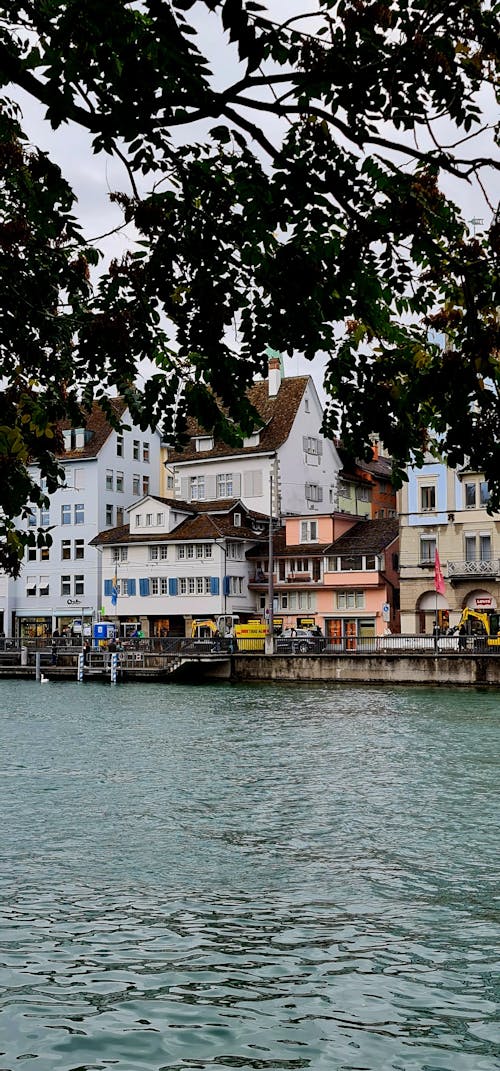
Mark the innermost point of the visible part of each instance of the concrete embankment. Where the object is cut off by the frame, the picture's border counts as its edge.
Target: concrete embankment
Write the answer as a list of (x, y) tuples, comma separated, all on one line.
[(457, 670), (431, 670)]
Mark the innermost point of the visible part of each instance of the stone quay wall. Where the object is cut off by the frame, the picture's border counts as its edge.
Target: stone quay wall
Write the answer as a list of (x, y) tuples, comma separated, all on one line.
[(419, 669)]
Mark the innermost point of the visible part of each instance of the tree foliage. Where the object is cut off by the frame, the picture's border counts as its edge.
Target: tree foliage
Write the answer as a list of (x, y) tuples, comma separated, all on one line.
[(299, 203)]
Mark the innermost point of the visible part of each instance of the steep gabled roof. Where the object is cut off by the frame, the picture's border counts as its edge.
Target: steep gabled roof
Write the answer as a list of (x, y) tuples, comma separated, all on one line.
[(278, 414)]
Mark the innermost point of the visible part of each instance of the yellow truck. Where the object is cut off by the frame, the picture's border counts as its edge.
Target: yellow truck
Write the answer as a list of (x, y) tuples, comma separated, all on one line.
[(227, 631)]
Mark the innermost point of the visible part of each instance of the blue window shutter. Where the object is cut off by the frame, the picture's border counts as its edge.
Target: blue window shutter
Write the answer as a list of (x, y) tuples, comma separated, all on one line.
[(172, 585), (225, 586), (107, 587), (144, 586), (131, 587), (214, 585)]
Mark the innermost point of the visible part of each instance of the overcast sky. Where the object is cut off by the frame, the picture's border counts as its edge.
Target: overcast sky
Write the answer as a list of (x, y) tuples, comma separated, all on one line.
[(93, 178)]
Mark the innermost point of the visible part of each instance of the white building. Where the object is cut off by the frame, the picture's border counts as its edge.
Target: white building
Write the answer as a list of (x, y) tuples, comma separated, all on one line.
[(176, 561), (289, 446), (105, 471)]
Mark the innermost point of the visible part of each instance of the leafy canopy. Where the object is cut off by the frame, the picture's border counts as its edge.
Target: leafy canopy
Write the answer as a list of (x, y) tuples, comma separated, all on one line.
[(291, 192)]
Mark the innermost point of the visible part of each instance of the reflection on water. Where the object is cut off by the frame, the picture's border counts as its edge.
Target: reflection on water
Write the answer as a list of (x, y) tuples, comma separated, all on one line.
[(248, 877)]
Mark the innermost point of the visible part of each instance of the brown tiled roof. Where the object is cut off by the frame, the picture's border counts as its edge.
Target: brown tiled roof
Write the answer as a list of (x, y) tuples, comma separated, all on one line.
[(205, 524), (367, 537), (380, 467), (278, 414), (281, 549), (99, 427)]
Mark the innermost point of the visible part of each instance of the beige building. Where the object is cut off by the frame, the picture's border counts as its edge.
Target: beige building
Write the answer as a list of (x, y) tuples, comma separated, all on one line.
[(445, 510)]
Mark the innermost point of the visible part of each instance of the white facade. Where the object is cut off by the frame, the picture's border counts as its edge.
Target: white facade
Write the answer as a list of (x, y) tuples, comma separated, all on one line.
[(304, 468), (61, 584), (166, 574)]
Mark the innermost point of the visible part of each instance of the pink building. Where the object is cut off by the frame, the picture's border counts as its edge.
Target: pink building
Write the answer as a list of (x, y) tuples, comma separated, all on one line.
[(331, 571)]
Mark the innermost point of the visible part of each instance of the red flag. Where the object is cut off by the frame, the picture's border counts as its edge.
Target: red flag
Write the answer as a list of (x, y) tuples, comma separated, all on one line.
[(438, 576)]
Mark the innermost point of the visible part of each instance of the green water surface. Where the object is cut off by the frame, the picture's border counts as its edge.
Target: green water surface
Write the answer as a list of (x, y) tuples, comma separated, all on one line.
[(248, 877)]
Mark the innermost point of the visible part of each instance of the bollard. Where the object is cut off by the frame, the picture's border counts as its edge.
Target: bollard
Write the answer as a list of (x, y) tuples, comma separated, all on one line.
[(113, 668), (38, 672), (79, 674)]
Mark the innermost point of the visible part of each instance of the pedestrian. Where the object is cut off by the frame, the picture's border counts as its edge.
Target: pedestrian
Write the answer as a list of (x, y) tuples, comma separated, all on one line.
[(86, 653), (462, 638), (54, 654)]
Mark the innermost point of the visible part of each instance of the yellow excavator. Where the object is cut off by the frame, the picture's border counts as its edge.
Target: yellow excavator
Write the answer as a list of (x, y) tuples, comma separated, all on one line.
[(481, 626)]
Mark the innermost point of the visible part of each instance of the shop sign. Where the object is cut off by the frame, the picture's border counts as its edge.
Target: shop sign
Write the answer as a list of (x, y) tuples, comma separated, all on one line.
[(484, 601)]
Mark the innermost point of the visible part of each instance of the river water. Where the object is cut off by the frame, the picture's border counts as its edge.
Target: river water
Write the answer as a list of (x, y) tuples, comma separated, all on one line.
[(273, 877)]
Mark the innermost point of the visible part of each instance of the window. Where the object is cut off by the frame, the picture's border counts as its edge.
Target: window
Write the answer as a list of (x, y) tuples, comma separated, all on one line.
[(190, 550), (65, 549), (234, 552), (159, 518), (120, 481), (427, 496), (31, 585), (208, 550), (485, 548), (196, 488), (44, 518), (363, 493), (145, 485), (470, 548), (149, 520), (136, 484), (65, 585), (314, 493), (163, 553), (79, 549), (79, 584), (191, 585), (65, 514), (145, 452), (427, 550), (208, 585), (237, 520), (138, 520), (32, 554), (164, 585), (119, 444), (120, 554), (306, 404), (153, 554), (204, 442), (484, 493), (79, 513), (119, 515), (235, 585), (45, 554), (182, 586), (181, 552), (44, 585), (109, 514), (32, 519), (199, 585), (350, 600), (312, 445), (308, 531), (153, 585), (109, 479), (170, 483), (135, 449), (470, 495), (225, 485)]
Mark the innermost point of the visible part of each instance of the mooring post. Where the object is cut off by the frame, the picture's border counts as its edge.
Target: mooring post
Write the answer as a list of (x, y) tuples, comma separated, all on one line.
[(38, 671), (79, 673)]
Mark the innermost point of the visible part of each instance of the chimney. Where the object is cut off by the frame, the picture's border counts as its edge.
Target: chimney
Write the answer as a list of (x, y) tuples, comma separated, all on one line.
[(274, 367), (375, 451)]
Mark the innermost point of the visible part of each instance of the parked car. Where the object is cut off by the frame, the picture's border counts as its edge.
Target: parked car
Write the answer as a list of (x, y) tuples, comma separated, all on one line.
[(299, 641)]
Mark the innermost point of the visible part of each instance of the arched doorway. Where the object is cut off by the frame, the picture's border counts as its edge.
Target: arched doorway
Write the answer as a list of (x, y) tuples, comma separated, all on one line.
[(481, 600), (432, 608)]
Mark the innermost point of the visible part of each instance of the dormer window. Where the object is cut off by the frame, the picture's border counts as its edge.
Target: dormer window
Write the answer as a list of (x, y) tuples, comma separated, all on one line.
[(204, 442), (75, 438), (253, 439)]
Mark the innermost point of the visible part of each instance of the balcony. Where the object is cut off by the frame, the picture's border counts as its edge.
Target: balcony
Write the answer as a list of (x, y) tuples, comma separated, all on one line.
[(474, 569)]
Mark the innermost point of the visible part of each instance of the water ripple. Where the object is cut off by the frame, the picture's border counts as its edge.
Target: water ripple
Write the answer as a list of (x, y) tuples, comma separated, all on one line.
[(248, 878)]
